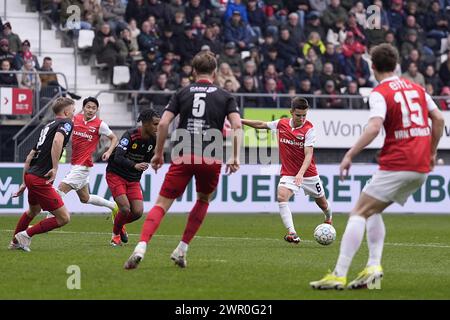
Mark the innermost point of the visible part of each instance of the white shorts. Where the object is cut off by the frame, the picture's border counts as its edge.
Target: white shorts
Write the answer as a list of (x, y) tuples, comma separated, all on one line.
[(312, 186), (78, 177), (394, 186)]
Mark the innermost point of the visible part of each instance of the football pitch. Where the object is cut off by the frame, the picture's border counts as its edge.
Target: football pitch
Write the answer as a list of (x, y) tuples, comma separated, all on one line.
[(233, 257)]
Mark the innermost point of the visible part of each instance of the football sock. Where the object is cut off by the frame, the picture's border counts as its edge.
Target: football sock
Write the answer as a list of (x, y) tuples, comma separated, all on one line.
[(43, 226), (121, 219), (23, 223), (286, 216), (183, 246), (151, 223), (351, 241), (141, 247), (375, 239), (99, 201), (328, 212), (195, 219)]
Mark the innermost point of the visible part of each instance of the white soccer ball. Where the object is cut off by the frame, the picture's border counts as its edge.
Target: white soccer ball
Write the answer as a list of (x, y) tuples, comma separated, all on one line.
[(325, 234)]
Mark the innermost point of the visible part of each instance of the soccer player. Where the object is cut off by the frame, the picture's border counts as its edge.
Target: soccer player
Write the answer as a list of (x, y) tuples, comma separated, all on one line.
[(88, 129), (39, 172), (406, 158), (201, 106), (126, 164), (296, 139)]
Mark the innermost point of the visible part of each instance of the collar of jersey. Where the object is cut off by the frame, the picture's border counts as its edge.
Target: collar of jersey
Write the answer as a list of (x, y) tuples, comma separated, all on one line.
[(390, 79), (90, 119), (204, 81), (291, 124)]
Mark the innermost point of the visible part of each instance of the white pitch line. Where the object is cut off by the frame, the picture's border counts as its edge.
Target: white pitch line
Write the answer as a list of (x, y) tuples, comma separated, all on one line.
[(394, 244)]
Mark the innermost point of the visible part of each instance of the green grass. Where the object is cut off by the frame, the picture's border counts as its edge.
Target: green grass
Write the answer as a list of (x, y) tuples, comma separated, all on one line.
[(233, 257)]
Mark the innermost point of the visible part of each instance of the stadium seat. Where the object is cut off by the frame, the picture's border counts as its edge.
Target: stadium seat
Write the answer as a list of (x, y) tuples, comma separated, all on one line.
[(245, 54), (365, 91), (85, 39), (121, 75), (444, 45)]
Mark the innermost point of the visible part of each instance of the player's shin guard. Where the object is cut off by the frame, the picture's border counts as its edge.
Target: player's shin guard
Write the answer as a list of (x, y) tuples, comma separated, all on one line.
[(376, 232), (196, 217), (151, 223), (100, 202), (120, 221), (43, 226), (23, 223)]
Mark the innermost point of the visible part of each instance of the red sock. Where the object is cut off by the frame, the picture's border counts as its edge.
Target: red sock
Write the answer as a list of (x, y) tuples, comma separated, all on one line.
[(151, 223), (44, 226), (196, 217), (120, 221), (23, 223)]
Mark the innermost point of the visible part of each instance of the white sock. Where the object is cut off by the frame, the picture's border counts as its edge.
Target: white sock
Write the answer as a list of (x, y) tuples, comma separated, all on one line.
[(61, 193), (141, 247), (286, 216), (375, 239), (183, 246), (328, 212), (351, 241), (99, 201)]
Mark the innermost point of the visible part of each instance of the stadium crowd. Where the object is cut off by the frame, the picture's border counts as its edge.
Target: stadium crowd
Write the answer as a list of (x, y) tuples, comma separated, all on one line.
[(273, 46)]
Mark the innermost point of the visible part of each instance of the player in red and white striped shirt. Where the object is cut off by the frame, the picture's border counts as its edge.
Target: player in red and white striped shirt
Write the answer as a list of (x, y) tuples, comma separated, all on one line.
[(407, 156), (88, 129), (296, 139)]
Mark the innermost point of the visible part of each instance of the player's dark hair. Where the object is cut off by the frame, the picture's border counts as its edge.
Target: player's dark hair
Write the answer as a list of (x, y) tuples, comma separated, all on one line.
[(90, 99), (299, 103), (147, 115), (61, 103), (204, 63), (384, 57)]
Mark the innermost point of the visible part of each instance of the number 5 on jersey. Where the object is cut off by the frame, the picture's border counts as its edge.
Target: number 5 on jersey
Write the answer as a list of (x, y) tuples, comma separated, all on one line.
[(198, 106)]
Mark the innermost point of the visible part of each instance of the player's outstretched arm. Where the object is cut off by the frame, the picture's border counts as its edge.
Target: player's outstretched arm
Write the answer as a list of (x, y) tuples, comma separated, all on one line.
[(236, 136), (113, 142), (437, 130), (25, 169), (257, 124), (163, 131), (370, 133), (57, 149)]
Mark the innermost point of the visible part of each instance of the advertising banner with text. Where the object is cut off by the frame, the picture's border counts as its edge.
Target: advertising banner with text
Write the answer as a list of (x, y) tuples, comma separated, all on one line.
[(251, 190)]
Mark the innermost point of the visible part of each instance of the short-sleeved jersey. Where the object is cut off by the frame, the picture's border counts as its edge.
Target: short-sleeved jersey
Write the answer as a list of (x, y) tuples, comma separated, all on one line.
[(85, 137), (132, 149), (404, 106), (42, 160), (291, 145), (202, 106)]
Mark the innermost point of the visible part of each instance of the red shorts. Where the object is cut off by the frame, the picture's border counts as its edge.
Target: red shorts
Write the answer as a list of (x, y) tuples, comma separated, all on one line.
[(179, 175), (120, 186), (41, 193)]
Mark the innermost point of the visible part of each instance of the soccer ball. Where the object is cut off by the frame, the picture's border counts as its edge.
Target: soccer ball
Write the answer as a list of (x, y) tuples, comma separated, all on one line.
[(325, 234)]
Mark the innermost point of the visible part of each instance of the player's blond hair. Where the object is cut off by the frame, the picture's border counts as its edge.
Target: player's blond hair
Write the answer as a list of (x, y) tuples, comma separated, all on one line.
[(61, 103), (204, 63)]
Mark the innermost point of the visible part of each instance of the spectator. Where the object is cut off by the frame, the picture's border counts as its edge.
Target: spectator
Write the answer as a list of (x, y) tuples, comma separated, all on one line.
[(411, 24), (198, 27), (331, 56), (444, 71), (357, 102), (13, 39), (173, 78), (314, 42), (237, 31), (29, 78), (352, 25), (250, 70), (337, 34), (254, 54), (445, 102), (290, 78), (168, 41), (7, 79), (313, 58), (295, 27), (357, 69), (211, 40), (270, 88), (159, 10), (5, 54), (178, 24), (134, 30), (184, 82), (106, 49), (228, 86), (49, 81), (146, 39), (188, 45), (432, 78), (256, 19), (271, 72), (186, 71), (350, 45), (93, 13), (286, 101), (436, 23), (152, 60), (414, 56), (249, 87), (176, 6), (333, 13), (128, 47), (411, 43), (360, 13), (24, 54), (159, 101), (310, 74), (286, 47), (313, 23), (390, 39), (328, 74), (140, 79), (230, 56), (332, 102), (319, 6), (225, 73), (113, 14), (236, 5), (272, 58), (195, 8), (138, 10), (414, 75), (396, 15)]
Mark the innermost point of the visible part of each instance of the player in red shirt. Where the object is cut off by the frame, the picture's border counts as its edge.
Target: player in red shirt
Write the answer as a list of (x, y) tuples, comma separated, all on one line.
[(202, 107), (406, 158), (296, 139), (88, 129), (39, 172)]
